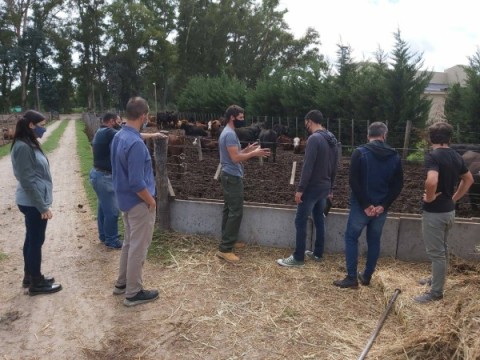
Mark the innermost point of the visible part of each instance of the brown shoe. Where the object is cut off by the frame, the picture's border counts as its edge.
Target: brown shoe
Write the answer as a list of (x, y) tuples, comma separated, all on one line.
[(231, 257), (239, 245)]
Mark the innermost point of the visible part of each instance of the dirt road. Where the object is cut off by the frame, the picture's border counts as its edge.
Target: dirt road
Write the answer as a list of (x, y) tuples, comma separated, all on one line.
[(55, 326), (209, 309)]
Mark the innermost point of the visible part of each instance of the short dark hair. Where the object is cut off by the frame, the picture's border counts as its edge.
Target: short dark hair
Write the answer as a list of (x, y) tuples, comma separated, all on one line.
[(377, 129), (233, 110), (440, 132), (109, 116), (315, 115), (136, 107)]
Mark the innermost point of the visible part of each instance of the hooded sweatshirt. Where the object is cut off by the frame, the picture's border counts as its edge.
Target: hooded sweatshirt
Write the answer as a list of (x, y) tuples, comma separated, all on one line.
[(320, 162), (376, 174)]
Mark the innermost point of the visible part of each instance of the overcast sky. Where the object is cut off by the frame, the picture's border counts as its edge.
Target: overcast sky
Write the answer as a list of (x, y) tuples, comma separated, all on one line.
[(447, 32)]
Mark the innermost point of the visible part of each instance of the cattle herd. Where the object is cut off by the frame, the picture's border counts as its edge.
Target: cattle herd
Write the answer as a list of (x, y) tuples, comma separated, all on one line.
[(205, 134), (209, 132)]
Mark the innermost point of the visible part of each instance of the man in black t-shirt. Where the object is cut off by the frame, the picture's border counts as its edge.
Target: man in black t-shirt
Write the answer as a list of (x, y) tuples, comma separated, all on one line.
[(443, 167)]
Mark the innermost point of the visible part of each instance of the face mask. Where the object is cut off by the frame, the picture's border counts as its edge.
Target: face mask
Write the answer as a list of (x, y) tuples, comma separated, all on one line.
[(39, 131), (117, 127), (307, 128), (238, 123)]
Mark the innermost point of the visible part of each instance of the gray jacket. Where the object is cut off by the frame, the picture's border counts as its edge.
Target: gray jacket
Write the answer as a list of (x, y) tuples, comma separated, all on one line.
[(32, 171)]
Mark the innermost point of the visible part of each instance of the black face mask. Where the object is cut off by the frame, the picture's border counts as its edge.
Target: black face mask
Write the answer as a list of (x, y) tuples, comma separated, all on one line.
[(307, 129), (117, 127), (238, 123)]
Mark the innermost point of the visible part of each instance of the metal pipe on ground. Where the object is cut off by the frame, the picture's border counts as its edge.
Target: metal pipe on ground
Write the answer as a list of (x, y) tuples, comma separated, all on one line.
[(379, 324)]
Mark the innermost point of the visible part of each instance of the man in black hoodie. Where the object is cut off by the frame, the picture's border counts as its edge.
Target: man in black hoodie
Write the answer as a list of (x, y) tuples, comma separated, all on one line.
[(376, 180), (315, 187)]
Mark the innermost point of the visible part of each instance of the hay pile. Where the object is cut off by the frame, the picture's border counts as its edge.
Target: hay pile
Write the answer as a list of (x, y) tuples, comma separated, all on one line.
[(210, 309)]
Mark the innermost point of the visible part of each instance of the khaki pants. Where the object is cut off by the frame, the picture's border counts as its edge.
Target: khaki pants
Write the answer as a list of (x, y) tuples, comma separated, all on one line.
[(139, 222)]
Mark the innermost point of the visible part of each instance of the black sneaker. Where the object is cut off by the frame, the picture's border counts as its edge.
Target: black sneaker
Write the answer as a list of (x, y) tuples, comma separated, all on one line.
[(143, 296), (348, 282), (428, 297), (364, 280)]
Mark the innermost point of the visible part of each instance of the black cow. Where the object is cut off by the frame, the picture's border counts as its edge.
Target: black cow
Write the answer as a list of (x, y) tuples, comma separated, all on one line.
[(192, 130), (268, 139), (280, 129), (472, 162), (248, 134), (166, 119)]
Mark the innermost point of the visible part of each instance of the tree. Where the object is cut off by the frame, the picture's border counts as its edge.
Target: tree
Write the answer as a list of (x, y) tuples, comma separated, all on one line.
[(404, 92), (455, 113), (369, 88), (88, 35), (471, 101), (212, 94)]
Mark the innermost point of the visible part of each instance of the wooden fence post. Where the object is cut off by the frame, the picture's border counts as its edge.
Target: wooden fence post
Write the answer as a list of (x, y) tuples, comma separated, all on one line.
[(339, 130), (161, 180), (353, 133), (406, 142)]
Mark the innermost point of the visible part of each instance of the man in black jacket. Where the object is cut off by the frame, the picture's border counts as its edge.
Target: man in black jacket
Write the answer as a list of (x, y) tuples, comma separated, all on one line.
[(376, 180)]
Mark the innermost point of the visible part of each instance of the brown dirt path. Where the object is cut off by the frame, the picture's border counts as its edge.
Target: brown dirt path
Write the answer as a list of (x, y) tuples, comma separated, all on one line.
[(55, 326)]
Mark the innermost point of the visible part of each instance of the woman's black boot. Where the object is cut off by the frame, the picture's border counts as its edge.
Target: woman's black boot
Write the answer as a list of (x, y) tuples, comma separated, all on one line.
[(27, 280), (40, 285)]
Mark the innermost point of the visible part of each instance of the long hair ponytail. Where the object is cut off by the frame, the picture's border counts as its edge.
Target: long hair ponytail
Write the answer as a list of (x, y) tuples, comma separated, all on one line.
[(24, 132)]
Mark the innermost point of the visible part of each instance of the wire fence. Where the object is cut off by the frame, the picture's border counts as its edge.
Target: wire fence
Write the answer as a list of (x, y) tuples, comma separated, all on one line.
[(8, 123), (193, 172)]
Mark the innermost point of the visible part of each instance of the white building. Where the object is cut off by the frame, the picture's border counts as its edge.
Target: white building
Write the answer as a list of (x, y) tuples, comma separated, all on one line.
[(437, 90)]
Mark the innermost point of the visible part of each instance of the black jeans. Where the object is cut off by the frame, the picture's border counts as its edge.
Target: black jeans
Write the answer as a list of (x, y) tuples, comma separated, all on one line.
[(34, 239), (232, 210)]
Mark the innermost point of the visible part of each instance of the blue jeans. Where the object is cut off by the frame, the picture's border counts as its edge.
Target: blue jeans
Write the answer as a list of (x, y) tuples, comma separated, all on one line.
[(313, 202), (34, 239), (107, 212), (357, 220), (435, 228)]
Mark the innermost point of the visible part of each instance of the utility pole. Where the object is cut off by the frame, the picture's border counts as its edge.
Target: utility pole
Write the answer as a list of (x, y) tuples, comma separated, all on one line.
[(155, 96)]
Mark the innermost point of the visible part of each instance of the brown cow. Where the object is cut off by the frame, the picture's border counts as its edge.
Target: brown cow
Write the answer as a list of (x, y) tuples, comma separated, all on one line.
[(8, 134), (215, 128), (176, 149), (299, 145), (209, 144), (285, 142)]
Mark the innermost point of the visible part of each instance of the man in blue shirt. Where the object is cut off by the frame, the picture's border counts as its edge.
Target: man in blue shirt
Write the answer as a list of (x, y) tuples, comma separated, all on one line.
[(376, 180), (134, 186)]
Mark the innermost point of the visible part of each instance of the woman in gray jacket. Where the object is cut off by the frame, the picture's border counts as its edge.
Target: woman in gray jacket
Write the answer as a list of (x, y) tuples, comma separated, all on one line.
[(33, 197)]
